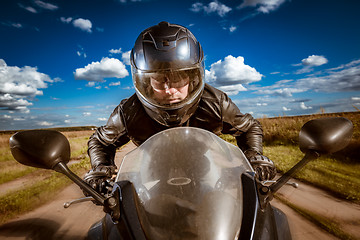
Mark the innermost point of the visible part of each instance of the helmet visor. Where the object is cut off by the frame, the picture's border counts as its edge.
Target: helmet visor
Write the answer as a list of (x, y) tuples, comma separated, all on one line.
[(169, 88)]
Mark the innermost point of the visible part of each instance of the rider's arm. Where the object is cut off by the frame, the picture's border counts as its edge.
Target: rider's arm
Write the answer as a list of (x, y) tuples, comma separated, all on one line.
[(249, 134), (247, 130), (106, 139)]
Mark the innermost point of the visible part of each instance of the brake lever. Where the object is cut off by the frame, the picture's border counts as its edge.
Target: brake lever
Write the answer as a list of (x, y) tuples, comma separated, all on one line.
[(110, 186), (293, 184), (79, 200)]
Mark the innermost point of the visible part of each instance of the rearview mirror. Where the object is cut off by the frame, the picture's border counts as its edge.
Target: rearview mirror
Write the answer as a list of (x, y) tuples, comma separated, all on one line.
[(325, 135), (319, 136), (40, 148)]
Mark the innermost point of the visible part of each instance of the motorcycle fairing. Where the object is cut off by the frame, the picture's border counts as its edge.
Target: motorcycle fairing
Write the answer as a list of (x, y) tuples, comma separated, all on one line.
[(186, 183), (128, 226)]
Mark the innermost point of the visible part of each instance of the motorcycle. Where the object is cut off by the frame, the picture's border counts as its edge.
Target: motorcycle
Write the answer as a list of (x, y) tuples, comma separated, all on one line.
[(185, 183)]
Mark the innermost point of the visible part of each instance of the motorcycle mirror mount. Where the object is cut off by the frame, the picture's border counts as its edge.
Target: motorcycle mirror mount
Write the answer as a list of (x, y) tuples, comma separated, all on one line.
[(317, 137), (48, 149)]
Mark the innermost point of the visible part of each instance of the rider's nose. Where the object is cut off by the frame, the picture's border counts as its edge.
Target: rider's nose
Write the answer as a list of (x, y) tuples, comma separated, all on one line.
[(170, 90)]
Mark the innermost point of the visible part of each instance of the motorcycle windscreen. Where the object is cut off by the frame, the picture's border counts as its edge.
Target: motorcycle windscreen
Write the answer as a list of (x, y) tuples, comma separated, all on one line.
[(188, 185)]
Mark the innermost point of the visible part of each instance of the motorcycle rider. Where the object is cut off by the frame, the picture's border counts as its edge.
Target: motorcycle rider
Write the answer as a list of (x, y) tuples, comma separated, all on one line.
[(168, 75)]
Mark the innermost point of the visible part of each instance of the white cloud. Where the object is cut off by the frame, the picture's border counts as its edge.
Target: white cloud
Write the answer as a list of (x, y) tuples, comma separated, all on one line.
[(45, 124), (9, 101), (231, 74), (28, 8), (115, 84), (16, 25), (232, 89), (309, 63), (17, 83), (344, 78), (81, 52), (197, 7), (304, 107), (281, 92), (286, 109), (126, 57), (261, 104), (44, 5), (264, 6), (341, 79), (66, 20), (213, 7), (354, 63), (355, 98), (106, 68), (90, 84), (19, 119), (115, 51), (314, 60), (86, 114), (102, 119), (232, 29), (83, 24)]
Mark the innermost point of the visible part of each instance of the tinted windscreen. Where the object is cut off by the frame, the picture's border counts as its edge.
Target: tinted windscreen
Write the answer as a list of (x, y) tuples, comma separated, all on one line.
[(188, 184)]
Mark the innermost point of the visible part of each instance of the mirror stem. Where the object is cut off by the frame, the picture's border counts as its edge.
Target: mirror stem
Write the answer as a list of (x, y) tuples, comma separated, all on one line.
[(310, 155), (63, 168)]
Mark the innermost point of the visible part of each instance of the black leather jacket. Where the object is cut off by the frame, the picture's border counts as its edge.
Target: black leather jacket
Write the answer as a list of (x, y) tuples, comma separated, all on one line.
[(215, 113)]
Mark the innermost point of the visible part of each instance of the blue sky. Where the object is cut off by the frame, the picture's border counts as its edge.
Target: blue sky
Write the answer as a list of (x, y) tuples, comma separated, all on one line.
[(66, 63)]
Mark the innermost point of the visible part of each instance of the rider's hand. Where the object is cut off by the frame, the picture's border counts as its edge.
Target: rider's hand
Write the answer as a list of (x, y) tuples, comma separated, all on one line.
[(263, 166), (99, 178)]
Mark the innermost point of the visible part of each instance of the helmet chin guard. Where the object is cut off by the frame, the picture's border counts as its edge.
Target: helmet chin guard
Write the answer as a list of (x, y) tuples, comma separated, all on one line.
[(171, 117), (168, 72)]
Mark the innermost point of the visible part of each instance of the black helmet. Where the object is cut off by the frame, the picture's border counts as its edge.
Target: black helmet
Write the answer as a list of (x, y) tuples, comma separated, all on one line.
[(168, 72)]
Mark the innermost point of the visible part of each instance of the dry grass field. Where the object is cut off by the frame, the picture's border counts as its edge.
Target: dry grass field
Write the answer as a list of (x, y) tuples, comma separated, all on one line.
[(338, 173), (36, 185)]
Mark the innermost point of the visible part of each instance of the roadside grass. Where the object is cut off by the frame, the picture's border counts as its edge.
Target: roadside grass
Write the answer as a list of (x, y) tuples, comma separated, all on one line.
[(24, 200), (39, 192), (285, 130), (338, 173), (11, 170), (342, 179), (339, 178), (327, 224), (5, 154)]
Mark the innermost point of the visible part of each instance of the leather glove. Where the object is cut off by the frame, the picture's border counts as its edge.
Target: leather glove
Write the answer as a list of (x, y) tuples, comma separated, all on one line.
[(263, 166), (99, 179)]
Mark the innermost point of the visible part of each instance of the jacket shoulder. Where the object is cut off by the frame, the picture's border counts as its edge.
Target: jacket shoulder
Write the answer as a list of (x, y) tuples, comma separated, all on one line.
[(212, 92), (117, 122)]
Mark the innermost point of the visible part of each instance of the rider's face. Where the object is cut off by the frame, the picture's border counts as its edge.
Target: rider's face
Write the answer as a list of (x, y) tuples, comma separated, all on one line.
[(168, 92)]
